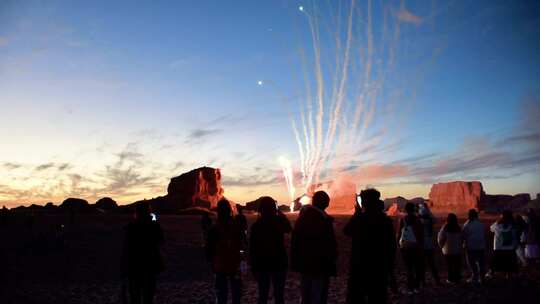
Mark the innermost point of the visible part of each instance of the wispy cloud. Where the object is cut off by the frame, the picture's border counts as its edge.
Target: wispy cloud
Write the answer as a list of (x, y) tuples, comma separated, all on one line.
[(201, 134), (251, 181), (51, 165), (11, 166), (63, 166), (45, 166), (407, 16), (129, 153), (178, 165)]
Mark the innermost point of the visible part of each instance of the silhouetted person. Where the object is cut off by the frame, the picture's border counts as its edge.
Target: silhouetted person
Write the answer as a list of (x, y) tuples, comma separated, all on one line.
[(267, 252), (373, 251), (428, 221), (475, 243), (206, 223), (59, 237), (521, 229), (504, 245), (4, 214), (450, 240), (141, 258), (241, 220), (314, 249), (411, 243), (532, 244), (223, 250)]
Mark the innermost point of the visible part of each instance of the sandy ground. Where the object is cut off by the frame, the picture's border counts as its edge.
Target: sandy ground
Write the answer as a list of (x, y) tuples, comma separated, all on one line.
[(87, 270)]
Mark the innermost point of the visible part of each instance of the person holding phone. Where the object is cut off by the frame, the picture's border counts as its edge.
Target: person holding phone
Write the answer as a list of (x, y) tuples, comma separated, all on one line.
[(267, 253), (141, 258)]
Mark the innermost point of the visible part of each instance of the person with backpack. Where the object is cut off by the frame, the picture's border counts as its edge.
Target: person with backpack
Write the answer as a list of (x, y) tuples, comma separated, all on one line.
[(268, 256), (474, 242), (373, 251), (428, 221), (411, 244), (504, 246), (224, 247), (314, 249), (450, 240)]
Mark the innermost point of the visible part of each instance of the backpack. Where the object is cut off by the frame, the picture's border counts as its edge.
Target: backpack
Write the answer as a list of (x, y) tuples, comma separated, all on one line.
[(507, 238), (407, 239)]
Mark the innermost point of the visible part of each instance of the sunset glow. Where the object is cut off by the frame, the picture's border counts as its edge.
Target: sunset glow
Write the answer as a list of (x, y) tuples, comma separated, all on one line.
[(96, 103)]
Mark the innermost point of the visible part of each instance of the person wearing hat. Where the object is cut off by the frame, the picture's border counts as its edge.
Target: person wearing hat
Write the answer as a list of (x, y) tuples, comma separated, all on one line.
[(373, 251)]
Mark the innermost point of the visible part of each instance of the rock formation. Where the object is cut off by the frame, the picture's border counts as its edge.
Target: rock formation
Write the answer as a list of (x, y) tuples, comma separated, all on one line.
[(197, 188), (396, 205), (393, 210), (254, 206), (499, 202), (456, 196), (106, 204), (201, 186), (399, 202), (76, 205)]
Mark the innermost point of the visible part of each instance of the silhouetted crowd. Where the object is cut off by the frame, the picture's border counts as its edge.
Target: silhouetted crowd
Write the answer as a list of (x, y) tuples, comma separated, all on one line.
[(231, 249)]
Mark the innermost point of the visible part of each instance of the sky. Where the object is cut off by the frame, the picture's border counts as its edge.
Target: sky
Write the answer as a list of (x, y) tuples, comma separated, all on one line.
[(113, 98)]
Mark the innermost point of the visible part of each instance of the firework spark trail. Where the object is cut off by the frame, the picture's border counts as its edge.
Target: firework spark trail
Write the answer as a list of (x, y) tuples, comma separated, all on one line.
[(342, 85), (288, 174), (343, 95), (300, 150), (323, 149)]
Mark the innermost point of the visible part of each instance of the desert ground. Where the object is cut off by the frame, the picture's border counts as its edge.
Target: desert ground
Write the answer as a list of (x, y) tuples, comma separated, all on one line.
[(87, 269)]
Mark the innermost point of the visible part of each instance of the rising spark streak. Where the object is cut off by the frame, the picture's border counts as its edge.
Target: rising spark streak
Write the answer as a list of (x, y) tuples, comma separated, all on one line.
[(288, 175)]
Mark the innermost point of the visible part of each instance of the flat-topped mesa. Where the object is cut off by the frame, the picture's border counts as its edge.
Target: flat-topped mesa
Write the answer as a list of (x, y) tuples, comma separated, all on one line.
[(458, 196), (198, 187)]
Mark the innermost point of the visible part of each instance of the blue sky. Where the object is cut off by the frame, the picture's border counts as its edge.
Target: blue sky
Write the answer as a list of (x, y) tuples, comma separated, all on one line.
[(102, 98)]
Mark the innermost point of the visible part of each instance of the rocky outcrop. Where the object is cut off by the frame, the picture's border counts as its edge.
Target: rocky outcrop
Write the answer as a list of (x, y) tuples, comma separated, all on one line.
[(106, 204), (393, 210), (399, 202), (284, 208), (396, 205), (500, 202), (254, 206), (456, 196), (197, 188), (76, 205)]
